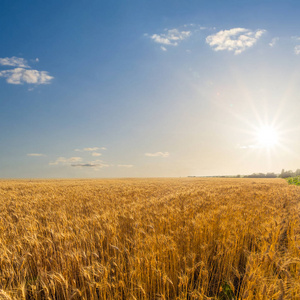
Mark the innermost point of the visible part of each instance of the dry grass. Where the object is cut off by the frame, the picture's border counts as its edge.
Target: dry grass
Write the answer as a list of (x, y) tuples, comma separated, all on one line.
[(149, 239)]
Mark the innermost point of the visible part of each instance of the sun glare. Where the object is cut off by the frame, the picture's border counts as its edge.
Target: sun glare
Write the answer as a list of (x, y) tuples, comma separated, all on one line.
[(267, 137)]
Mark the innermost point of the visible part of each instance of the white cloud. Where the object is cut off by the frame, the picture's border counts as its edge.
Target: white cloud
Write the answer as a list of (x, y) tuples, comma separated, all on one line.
[(273, 42), (297, 49), (163, 48), (96, 154), (74, 159), (35, 154), (21, 75), (189, 25), (235, 39), (158, 154), (91, 149), (77, 162), (14, 62), (58, 161), (125, 166), (295, 38), (197, 27), (23, 72), (63, 160), (171, 38)]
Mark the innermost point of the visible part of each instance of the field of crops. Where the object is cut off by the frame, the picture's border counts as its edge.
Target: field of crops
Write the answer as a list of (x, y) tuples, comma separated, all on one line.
[(190, 238)]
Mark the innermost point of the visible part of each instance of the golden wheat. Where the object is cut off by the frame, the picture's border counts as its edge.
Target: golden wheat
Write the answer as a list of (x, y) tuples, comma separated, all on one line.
[(149, 239)]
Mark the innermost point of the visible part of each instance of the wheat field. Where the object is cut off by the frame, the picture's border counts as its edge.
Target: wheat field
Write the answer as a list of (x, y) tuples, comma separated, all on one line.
[(191, 238)]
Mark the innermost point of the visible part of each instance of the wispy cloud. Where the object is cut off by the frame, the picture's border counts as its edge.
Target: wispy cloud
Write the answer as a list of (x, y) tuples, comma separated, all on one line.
[(14, 62), (21, 75), (297, 49), (197, 27), (78, 162), (171, 37), (63, 160), (274, 41), (97, 164), (90, 149), (125, 166), (90, 165), (96, 154), (158, 154), (83, 165), (295, 38), (235, 39), (35, 154)]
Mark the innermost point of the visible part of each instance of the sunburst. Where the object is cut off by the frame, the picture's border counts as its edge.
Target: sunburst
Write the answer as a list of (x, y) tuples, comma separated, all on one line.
[(267, 137)]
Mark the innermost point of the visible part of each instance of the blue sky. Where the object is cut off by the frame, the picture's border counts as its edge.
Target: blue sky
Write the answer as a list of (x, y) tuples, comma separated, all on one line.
[(148, 88)]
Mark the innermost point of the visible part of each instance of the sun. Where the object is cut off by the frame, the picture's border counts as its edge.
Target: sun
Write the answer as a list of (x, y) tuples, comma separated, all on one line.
[(267, 137)]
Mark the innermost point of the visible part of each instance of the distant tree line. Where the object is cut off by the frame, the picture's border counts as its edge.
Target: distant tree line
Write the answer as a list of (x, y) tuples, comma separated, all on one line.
[(283, 174), (289, 173), (261, 175)]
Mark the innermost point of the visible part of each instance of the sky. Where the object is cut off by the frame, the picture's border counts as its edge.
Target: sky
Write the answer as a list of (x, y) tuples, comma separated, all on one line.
[(173, 88)]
